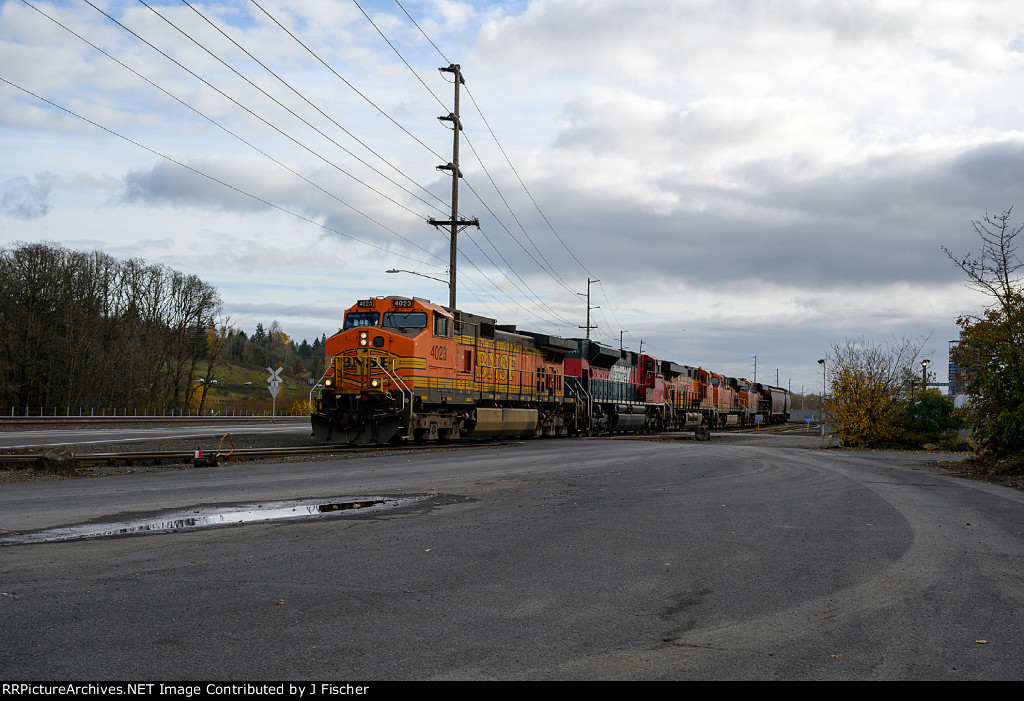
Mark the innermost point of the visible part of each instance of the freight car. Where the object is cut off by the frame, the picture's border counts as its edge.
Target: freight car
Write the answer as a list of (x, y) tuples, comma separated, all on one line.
[(403, 369)]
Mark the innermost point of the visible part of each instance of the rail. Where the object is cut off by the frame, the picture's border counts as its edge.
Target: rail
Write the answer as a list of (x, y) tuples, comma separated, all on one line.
[(180, 457)]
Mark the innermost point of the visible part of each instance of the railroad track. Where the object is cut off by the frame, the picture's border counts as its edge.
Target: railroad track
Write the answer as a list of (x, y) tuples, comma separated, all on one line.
[(209, 458), (775, 428), (220, 456)]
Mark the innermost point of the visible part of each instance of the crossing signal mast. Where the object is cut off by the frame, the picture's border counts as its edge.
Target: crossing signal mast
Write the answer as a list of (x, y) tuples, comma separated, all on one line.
[(454, 224)]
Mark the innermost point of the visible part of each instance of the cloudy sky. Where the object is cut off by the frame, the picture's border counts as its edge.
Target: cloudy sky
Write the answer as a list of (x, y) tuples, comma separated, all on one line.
[(743, 178)]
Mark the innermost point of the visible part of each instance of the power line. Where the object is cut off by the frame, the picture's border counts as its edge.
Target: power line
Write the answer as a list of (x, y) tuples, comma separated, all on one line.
[(339, 77), (226, 130), (440, 53), (397, 53), (547, 266), (527, 292), (549, 270), (322, 112), (539, 300), (525, 189), (206, 175), (275, 100)]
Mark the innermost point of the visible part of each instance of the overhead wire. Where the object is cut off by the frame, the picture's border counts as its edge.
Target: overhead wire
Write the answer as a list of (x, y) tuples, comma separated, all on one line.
[(319, 110), (346, 82), (223, 128), (270, 97), (549, 267), (515, 172), (243, 77), (429, 40), (398, 53), (292, 139), (205, 175), (546, 266), (479, 198), (497, 142), (358, 92), (525, 188)]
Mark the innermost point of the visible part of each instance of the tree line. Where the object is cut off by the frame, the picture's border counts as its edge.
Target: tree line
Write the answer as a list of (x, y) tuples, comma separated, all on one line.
[(272, 347), (86, 329)]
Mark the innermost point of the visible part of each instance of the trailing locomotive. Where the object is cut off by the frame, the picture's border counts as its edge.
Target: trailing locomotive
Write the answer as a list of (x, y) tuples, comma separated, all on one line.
[(404, 369)]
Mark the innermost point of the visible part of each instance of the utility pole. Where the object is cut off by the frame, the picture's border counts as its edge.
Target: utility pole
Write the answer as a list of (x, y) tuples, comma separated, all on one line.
[(454, 223), (588, 326), (620, 340)]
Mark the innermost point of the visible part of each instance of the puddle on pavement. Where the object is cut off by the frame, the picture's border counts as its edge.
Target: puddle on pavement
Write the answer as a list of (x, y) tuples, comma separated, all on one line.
[(210, 517)]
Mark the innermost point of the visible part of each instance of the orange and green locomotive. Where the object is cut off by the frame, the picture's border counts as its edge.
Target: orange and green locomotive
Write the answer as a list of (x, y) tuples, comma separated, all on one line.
[(403, 368)]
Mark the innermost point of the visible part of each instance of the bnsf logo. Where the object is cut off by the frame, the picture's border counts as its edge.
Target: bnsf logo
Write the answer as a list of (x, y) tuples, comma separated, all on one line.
[(351, 362), (495, 366)]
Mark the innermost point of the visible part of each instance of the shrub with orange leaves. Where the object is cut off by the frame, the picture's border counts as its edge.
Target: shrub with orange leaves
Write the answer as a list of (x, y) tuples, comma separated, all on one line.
[(870, 388)]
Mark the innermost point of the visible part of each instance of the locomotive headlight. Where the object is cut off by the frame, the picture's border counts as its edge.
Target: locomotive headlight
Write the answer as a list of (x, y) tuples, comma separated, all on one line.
[(363, 338), (328, 383), (375, 383)]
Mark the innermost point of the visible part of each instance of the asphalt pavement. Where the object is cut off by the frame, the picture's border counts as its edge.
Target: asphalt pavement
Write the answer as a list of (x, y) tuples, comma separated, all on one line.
[(739, 558)]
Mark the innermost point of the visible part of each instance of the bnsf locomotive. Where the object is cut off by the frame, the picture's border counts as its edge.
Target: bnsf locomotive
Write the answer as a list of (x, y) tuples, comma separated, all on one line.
[(404, 369)]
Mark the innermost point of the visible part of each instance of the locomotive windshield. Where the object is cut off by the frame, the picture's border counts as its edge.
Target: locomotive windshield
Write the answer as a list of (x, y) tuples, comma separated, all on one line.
[(353, 319), (405, 320)]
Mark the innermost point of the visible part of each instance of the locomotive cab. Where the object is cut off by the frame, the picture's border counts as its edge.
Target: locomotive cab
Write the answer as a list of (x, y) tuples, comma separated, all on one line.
[(371, 366)]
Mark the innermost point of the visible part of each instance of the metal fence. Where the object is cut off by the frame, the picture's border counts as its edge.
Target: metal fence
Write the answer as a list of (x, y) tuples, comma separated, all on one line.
[(118, 412)]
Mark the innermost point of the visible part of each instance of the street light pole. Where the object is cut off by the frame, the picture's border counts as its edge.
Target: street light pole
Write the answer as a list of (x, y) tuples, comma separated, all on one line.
[(821, 401)]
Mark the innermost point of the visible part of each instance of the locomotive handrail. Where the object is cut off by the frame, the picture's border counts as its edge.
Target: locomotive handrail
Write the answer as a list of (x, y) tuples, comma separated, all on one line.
[(576, 388), (317, 385), (403, 388)]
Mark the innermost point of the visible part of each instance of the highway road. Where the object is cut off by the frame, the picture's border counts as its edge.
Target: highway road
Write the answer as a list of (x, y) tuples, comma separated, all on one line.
[(739, 558)]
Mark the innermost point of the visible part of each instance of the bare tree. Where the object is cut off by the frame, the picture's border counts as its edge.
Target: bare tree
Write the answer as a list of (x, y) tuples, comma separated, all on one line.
[(84, 329), (995, 269)]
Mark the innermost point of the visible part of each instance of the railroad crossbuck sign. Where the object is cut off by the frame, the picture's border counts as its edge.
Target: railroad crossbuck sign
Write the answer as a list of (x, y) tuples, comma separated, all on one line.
[(274, 381)]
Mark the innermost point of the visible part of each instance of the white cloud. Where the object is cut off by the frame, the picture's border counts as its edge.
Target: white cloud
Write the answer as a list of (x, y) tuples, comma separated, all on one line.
[(764, 175)]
